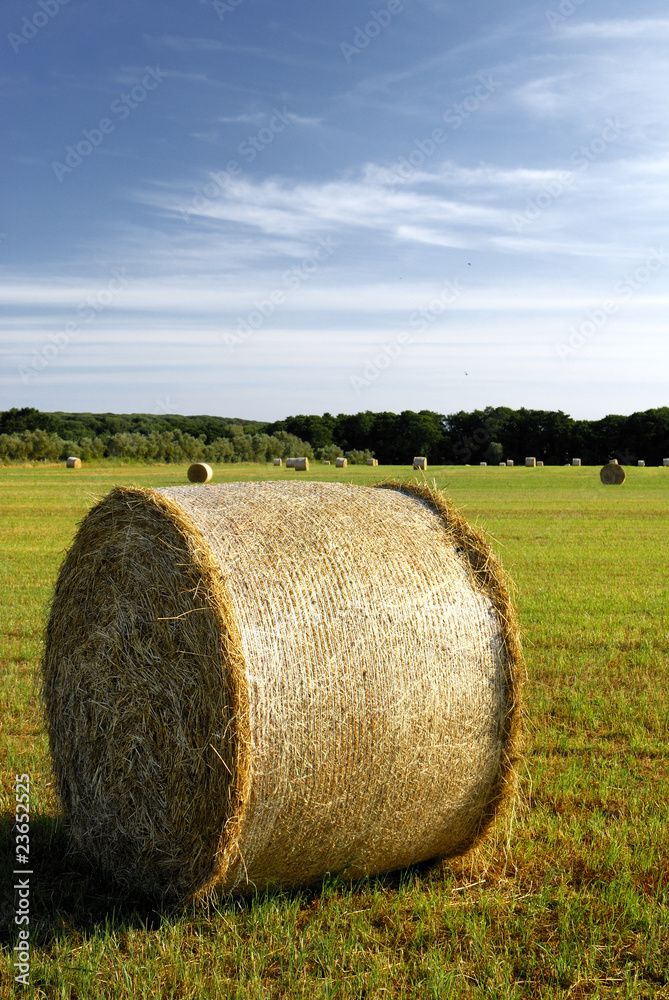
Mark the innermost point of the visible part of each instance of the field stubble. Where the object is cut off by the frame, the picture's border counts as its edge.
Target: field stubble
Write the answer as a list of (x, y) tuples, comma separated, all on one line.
[(570, 897)]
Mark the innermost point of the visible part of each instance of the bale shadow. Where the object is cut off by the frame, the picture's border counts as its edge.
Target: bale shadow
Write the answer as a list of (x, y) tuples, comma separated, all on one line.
[(70, 897)]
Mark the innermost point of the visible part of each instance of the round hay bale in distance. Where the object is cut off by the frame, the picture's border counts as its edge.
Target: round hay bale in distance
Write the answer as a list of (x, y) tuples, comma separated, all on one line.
[(341, 462), (301, 465), (420, 462), (530, 463), (290, 463), (262, 682), (612, 474), (73, 463), (200, 472), (278, 461), (372, 461)]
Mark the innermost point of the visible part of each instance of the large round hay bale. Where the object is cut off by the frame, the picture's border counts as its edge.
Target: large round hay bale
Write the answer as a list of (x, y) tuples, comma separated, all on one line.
[(200, 472), (612, 474), (262, 682), (73, 462), (301, 464)]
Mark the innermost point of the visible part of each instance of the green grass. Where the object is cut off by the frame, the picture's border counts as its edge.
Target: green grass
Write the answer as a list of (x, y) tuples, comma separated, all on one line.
[(570, 899)]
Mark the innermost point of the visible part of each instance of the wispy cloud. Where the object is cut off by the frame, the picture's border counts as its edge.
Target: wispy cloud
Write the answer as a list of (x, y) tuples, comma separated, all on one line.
[(654, 29)]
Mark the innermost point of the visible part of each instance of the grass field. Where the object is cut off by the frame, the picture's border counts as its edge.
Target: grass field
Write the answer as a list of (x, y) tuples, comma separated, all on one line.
[(569, 898)]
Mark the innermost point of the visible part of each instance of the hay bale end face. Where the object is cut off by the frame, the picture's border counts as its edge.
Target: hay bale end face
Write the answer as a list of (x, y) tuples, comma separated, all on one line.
[(200, 472), (73, 463), (301, 465), (420, 462), (341, 463), (235, 697), (612, 474)]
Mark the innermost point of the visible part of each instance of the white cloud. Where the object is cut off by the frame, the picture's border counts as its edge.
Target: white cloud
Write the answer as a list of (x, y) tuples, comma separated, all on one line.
[(654, 29)]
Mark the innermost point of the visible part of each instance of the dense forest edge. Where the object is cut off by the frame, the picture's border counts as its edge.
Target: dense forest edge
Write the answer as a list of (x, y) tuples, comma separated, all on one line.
[(491, 435)]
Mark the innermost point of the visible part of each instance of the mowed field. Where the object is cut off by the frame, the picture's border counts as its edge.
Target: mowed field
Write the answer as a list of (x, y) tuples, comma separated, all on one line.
[(568, 898)]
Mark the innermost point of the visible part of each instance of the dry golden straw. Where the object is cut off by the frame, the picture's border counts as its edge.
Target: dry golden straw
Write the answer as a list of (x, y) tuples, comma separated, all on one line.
[(73, 463), (253, 684), (200, 472), (612, 474)]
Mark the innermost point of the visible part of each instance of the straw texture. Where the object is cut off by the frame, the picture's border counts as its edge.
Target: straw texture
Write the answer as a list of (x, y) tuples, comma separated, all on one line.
[(612, 474), (200, 472), (257, 683)]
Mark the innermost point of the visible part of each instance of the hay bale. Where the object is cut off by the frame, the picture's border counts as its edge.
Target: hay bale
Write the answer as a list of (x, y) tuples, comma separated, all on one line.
[(641, 464), (73, 463), (612, 474), (503, 464), (341, 463), (326, 461), (200, 472), (290, 463), (665, 462), (372, 461), (301, 465), (509, 461), (262, 682), (530, 463), (278, 461), (420, 462), (483, 463), (613, 461), (540, 465), (576, 461)]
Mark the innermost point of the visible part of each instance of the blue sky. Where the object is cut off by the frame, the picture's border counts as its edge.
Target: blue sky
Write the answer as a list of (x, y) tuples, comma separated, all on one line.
[(254, 209)]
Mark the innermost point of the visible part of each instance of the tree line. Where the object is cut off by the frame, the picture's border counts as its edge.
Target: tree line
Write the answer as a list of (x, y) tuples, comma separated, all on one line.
[(491, 435)]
